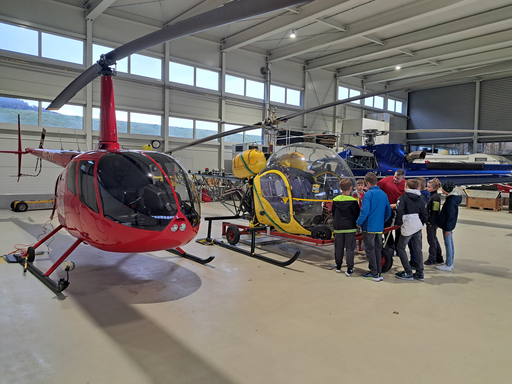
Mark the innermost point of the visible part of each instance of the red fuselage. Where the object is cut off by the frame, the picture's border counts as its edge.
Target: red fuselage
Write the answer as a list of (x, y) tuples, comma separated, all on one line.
[(127, 201)]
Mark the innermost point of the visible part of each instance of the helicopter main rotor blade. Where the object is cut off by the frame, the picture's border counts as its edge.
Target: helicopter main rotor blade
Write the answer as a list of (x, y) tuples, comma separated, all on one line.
[(216, 136), (76, 85), (450, 130), (226, 14)]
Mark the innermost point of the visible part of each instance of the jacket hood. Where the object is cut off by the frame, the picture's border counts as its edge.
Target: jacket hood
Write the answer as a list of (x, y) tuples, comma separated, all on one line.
[(414, 194), (456, 196)]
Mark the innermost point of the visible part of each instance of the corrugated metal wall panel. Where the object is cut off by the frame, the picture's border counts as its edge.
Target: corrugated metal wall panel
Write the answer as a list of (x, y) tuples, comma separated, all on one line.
[(495, 99), (442, 108)]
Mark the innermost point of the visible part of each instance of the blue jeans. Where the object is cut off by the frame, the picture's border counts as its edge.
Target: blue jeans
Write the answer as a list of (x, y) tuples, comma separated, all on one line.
[(450, 251)]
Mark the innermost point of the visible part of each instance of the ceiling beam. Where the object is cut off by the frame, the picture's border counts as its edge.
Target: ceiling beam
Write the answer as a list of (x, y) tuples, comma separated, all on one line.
[(307, 13), (497, 17), (465, 47), (96, 8), (416, 10), (479, 59)]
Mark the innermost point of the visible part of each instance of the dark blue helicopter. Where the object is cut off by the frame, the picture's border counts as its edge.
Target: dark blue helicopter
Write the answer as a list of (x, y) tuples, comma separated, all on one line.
[(385, 159)]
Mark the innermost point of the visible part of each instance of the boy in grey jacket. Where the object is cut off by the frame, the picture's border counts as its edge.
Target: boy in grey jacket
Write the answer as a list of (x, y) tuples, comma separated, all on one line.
[(411, 214)]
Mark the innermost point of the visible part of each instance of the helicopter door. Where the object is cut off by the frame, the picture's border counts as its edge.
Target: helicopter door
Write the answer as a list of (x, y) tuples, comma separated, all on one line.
[(91, 223), (274, 199), (70, 209)]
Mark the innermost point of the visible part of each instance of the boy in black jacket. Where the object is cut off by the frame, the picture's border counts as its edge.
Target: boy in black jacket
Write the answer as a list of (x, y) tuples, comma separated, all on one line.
[(435, 255), (447, 220), (411, 214), (345, 210)]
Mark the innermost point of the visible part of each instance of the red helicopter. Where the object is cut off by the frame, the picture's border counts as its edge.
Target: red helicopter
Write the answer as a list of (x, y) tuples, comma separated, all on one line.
[(123, 200)]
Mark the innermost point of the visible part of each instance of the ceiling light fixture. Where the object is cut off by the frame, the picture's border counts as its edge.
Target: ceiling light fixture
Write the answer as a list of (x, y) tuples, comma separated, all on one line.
[(398, 67), (293, 35)]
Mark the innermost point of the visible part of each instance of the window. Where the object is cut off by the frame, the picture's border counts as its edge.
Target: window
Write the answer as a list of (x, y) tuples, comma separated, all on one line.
[(391, 105), (399, 106), (18, 39), (186, 74), (254, 135), (26, 41), (206, 128), (86, 188), (235, 85), (378, 102), (98, 50), (146, 66), (342, 93), (62, 48), (353, 93), (121, 120), (345, 93), (181, 127), (236, 138), (27, 109), (207, 79), (293, 97), (277, 94), (183, 74), (368, 101), (255, 89), (144, 124), (69, 116)]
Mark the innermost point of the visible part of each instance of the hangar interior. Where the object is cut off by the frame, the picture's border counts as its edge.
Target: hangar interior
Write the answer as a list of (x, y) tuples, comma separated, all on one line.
[(151, 318)]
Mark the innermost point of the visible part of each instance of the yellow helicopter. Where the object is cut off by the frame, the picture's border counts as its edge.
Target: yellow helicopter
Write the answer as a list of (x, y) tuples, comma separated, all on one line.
[(292, 192)]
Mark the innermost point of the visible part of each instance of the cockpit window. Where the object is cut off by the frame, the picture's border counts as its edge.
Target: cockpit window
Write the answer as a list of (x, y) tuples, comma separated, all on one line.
[(134, 192), (274, 190), (182, 184), (86, 188)]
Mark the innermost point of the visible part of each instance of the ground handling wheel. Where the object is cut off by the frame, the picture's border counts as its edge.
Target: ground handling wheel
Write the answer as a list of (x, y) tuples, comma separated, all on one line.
[(232, 234), (387, 260), (322, 232)]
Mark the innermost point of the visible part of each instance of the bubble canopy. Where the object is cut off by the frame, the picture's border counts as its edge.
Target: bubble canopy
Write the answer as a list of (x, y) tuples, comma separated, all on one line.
[(295, 191), (313, 161)]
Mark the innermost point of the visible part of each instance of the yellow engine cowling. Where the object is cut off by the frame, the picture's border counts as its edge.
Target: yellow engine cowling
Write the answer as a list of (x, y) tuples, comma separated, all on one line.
[(249, 163)]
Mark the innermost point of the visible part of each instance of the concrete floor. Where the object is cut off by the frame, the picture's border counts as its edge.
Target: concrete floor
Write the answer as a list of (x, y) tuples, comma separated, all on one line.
[(158, 318)]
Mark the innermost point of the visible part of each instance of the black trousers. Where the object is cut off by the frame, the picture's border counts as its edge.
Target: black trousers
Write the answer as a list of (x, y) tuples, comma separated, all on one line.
[(435, 254), (342, 241)]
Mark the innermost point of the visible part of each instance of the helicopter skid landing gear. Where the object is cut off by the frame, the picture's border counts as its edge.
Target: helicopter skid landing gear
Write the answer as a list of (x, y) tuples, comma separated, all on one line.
[(180, 252), (233, 235), (26, 259)]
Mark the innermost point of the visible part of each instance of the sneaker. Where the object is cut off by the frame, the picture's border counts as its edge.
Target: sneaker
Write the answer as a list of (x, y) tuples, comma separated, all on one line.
[(413, 264), (444, 267), (430, 262), (380, 277), (440, 261), (404, 275), (338, 270), (418, 277), (349, 272), (371, 276)]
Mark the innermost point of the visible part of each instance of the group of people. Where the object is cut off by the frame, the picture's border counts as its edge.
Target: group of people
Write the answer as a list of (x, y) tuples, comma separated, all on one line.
[(392, 201)]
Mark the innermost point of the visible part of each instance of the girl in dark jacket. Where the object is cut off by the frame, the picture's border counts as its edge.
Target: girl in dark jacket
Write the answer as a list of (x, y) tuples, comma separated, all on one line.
[(447, 221)]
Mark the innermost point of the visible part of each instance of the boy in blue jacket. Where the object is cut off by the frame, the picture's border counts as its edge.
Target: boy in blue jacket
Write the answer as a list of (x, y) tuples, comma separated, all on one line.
[(375, 211), (345, 210), (447, 220)]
